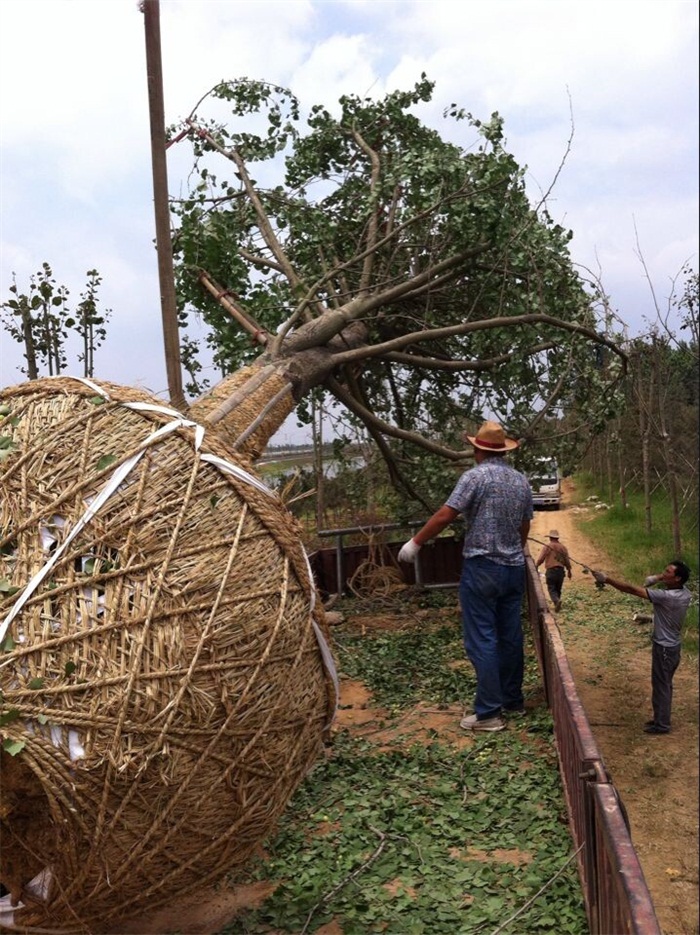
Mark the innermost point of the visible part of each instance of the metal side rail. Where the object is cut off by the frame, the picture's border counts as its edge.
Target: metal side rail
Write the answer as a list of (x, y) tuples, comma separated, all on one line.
[(615, 892)]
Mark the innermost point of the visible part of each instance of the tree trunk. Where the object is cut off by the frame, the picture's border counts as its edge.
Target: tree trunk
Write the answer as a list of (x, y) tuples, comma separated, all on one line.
[(248, 406), (621, 471), (318, 464), (669, 464), (608, 467), (29, 347), (644, 429)]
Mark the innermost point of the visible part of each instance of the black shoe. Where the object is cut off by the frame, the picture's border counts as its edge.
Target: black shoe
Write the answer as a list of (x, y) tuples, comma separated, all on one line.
[(655, 729), (650, 723)]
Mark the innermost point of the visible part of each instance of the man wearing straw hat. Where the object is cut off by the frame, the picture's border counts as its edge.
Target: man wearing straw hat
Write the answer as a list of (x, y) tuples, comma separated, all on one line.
[(555, 556), (496, 503)]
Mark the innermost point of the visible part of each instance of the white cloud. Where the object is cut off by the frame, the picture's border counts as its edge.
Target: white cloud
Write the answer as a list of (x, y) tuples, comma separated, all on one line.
[(334, 66)]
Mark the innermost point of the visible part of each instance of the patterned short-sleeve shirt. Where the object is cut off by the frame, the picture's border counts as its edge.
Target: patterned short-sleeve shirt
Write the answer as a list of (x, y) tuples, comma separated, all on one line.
[(495, 500)]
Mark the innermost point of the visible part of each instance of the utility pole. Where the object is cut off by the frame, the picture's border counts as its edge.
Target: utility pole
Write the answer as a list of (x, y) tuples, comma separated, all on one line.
[(164, 247)]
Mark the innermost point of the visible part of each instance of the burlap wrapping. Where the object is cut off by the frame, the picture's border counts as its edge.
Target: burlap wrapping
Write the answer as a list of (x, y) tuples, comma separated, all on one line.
[(166, 674)]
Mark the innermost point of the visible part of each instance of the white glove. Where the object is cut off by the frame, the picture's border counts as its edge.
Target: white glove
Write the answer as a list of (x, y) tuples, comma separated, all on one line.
[(408, 552), (652, 579)]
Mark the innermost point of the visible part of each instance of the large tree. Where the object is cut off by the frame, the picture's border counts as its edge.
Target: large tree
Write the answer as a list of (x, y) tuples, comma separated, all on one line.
[(411, 280)]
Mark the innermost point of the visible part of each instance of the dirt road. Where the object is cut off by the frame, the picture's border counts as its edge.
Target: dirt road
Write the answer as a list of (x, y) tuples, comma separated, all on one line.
[(656, 776)]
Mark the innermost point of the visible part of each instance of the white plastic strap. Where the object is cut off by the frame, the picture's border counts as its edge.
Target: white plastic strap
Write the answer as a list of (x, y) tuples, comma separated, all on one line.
[(329, 663), (228, 468), (101, 391), (117, 478), (38, 887)]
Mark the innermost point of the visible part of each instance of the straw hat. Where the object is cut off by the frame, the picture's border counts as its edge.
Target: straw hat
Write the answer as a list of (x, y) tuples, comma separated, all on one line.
[(553, 534), (491, 437)]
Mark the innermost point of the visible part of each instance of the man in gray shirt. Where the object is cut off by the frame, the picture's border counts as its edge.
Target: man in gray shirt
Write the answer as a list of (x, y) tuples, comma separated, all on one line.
[(670, 608), (496, 503)]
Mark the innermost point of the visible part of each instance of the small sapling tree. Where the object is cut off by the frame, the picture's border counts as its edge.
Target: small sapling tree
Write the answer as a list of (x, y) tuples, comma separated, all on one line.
[(42, 322)]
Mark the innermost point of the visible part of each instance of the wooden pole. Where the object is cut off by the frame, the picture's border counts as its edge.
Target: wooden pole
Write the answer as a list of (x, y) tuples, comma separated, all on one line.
[(166, 275)]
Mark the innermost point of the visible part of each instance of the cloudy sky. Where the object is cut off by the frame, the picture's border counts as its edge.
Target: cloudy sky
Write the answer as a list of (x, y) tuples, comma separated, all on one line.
[(75, 170)]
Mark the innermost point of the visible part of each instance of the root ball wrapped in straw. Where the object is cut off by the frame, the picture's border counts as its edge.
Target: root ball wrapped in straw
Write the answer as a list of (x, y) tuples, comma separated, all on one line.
[(165, 677)]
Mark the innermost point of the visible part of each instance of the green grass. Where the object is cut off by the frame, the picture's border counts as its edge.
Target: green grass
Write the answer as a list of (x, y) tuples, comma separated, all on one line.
[(622, 534)]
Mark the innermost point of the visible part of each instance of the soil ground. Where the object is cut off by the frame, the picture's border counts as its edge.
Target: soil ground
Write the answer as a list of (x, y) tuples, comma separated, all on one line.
[(656, 776)]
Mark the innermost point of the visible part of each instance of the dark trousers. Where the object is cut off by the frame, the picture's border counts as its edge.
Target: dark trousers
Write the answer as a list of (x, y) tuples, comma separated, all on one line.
[(491, 598), (664, 662), (555, 582)]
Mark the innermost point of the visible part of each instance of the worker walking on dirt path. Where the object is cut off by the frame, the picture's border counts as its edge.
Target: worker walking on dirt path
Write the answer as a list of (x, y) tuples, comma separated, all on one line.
[(496, 503), (670, 607), (555, 556)]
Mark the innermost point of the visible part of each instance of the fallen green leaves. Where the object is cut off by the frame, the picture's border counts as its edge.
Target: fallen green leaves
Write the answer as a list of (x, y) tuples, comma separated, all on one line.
[(429, 838), (403, 668)]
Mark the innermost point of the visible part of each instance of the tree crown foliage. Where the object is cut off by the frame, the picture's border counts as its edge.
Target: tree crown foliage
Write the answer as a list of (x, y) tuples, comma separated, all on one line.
[(440, 293)]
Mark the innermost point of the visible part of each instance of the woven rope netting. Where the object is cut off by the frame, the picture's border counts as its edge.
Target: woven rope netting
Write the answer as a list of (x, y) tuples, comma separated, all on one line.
[(162, 666)]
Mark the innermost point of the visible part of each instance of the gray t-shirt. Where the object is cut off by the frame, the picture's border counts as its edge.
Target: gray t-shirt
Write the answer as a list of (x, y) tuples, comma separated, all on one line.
[(495, 500), (669, 613)]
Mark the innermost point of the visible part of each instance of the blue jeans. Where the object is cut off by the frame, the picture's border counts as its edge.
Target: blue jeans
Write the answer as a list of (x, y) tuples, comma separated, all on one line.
[(491, 599)]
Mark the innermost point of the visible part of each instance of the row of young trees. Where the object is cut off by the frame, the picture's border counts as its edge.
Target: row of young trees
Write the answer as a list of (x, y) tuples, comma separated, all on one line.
[(652, 443), (43, 321)]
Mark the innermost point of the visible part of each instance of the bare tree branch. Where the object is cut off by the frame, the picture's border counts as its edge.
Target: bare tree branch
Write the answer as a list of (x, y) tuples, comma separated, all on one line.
[(333, 321), (370, 419), (395, 474), (237, 312), (435, 363), (263, 221), (503, 321), (371, 238)]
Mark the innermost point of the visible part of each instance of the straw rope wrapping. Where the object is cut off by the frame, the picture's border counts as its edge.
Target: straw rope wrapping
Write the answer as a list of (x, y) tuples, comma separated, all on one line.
[(376, 576), (165, 676)]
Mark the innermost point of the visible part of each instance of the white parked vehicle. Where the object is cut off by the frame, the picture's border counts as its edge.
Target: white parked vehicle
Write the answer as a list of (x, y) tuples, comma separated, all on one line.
[(545, 482)]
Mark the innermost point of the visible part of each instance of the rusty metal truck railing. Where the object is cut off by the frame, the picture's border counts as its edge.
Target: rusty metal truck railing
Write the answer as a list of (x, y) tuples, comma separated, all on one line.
[(615, 892)]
